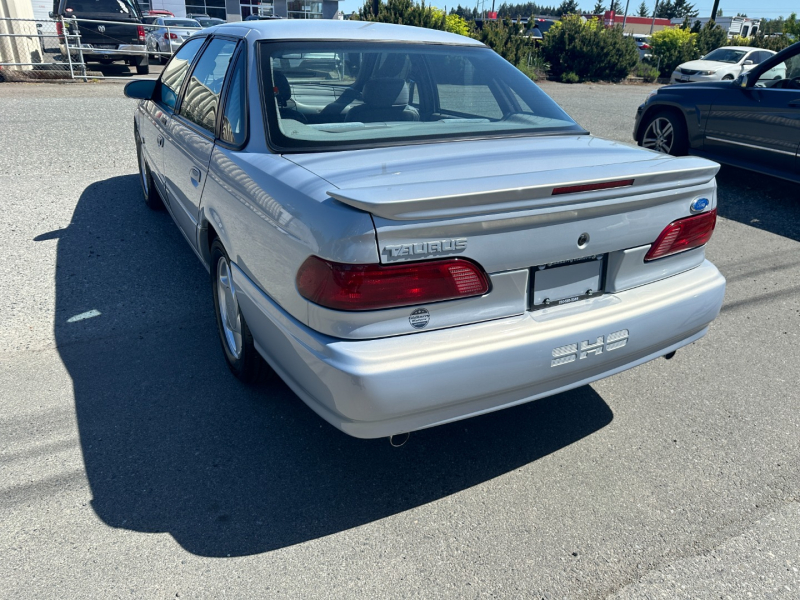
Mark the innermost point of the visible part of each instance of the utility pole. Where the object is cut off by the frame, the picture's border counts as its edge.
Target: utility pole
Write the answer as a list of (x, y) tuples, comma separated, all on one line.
[(714, 10), (625, 18), (653, 24), (375, 7)]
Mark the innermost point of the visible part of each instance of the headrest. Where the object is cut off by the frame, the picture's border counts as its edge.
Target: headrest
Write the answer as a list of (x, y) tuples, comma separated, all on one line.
[(385, 91), (283, 90)]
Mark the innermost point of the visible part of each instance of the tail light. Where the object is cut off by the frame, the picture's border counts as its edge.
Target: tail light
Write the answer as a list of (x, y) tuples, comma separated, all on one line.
[(682, 235), (645, 46), (59, 29), (170, 36), (140, 32), (370, 287)]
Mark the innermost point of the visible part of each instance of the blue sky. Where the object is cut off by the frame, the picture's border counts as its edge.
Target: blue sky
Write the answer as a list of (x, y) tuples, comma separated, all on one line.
[(771, 10)]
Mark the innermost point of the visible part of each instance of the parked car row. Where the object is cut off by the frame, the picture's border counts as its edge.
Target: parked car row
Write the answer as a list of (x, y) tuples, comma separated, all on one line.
[(118, 30), (408, 230)]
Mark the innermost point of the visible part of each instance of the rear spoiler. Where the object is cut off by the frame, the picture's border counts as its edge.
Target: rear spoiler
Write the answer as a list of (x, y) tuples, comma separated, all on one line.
[(535, 190)]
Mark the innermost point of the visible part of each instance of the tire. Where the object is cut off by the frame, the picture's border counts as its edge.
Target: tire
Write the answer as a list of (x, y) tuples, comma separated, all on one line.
[(151, 196), (728, 77), (238, 347), (665, 131), (142, 64)]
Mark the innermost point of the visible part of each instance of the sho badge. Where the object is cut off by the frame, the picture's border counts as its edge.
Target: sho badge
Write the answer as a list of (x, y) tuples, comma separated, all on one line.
[(588, 348), (420, 318)]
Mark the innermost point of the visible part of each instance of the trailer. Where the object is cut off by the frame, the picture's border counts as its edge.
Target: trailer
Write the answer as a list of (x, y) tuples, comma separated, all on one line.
[(735, 26)]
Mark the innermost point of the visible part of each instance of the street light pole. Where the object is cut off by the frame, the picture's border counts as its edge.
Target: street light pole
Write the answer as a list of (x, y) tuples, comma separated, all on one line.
[(625, 18), (653, 24), (714, 10)]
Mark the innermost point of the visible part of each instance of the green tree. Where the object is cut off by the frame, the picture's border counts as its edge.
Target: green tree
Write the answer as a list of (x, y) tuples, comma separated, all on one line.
[(684, 10), (791, 26), (599, 8), (709, 38), (643, 11), (673, 46), (590, 50), (568, 7), (457, 24), (404, 12), (665, 10), (770, 26), (505, 38)]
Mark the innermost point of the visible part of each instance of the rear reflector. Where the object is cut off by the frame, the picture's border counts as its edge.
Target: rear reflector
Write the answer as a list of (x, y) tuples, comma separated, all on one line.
[(588, 187), (682, 235), (370, 287)]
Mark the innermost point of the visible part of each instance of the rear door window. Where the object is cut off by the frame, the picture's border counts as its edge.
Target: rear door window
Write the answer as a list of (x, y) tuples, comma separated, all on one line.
[(175, 72), (234, 121), (201, 98)]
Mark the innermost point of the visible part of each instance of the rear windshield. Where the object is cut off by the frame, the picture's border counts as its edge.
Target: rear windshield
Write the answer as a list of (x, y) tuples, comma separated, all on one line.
[(125, 7), (332, 95), (181, 23)]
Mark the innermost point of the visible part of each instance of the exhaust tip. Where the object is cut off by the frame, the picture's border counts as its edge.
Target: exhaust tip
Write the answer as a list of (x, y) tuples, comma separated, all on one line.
[(670, 355), (399, 439)]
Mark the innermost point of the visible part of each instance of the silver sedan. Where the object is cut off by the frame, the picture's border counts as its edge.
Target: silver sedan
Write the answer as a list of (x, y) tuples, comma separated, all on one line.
[(408, 231), (166, 35)]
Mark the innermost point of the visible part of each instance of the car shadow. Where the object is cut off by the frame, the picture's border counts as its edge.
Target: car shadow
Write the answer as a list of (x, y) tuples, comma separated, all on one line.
[(760, 201), (172, 442)]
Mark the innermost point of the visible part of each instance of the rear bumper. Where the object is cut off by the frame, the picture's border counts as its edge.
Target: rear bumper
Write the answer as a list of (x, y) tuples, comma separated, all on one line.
[(121, 52), (381, 387)]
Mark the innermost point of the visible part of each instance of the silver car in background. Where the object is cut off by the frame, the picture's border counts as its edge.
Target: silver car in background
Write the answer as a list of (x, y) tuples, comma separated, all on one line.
[(408, 230), (167, 34)]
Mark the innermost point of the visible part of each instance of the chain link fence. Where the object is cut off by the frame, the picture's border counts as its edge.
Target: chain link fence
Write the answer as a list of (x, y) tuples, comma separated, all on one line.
[(35, 49)]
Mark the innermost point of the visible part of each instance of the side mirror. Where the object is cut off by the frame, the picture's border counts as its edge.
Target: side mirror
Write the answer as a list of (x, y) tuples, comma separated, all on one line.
[(748, 62), (140, 90)]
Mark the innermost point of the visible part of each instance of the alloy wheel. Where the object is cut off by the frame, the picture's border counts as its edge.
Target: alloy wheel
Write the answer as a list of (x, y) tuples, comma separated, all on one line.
[(229, 315), (659, 135)]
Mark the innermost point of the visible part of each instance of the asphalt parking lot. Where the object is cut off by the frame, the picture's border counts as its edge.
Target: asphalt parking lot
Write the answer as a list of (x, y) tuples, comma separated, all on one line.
[(132, 464)]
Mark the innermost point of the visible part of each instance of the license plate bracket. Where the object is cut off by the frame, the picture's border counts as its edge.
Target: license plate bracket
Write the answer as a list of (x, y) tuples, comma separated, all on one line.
[(557, 284)]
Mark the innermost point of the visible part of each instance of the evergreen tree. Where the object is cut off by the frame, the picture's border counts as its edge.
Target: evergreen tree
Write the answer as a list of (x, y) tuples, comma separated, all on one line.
[(616, 6), (568, 7), (685, 10), (665, 10), (599, 8), (643, 12)]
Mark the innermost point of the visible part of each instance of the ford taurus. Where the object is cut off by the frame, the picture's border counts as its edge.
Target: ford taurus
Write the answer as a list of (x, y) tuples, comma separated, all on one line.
[(408, 230)]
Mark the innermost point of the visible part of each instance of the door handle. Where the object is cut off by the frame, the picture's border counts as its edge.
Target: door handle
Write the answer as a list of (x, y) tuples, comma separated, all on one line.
[(795, 103), (163, 119), (196, 174), (160, 141)]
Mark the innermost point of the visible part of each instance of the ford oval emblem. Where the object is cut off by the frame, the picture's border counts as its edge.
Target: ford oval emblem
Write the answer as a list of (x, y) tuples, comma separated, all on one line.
[(699, 205)]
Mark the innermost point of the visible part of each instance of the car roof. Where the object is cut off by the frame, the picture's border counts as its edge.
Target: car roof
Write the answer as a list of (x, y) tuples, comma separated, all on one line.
[(739, 48), (321, 29)]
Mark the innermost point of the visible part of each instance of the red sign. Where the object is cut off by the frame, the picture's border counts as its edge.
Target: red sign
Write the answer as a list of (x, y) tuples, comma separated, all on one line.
[(491, 15)]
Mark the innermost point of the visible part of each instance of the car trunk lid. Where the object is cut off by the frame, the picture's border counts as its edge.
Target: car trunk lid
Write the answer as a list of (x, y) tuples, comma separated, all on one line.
[(511, 204)]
